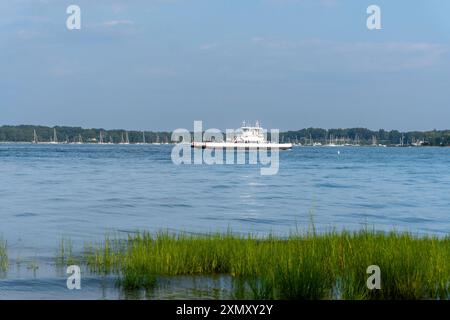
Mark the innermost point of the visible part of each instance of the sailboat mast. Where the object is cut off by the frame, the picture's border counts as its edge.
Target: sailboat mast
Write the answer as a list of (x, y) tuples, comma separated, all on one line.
[(35, 138)]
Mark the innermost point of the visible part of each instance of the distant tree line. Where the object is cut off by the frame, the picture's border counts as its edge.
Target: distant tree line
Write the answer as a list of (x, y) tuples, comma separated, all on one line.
[(25, 133), (365, 136), (362, 136)]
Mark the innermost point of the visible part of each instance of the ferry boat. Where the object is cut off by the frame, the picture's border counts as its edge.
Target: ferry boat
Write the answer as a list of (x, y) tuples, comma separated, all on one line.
[(247, 137)]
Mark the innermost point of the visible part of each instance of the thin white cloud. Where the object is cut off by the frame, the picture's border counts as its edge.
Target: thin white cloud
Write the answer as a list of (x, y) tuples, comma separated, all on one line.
[(209, 46), (358, 55), (115, 23)]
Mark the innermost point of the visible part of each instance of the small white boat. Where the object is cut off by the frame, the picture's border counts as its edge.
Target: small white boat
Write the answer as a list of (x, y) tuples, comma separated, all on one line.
[(248, 137), (126, 141), (55, 137), (80, 139), (35, 137), (143, 139)]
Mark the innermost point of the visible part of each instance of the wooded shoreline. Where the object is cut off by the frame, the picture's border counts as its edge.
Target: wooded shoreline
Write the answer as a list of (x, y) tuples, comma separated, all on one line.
[(307, 136)]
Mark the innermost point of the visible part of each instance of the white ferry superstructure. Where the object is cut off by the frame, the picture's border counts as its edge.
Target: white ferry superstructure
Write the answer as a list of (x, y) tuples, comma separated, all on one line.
[(247, 137)]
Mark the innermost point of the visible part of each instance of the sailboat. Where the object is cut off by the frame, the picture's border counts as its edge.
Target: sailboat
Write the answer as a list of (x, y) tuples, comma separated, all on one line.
[(101, 138), (332, 143), (80, 140), (126, 141), (35, 137), (356, 144), (143, 139), (55, 137), (157, 140)]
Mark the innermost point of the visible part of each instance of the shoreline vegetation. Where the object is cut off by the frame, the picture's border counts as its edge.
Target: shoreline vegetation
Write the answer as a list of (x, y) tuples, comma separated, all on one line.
[(309, 136), (331, 265), (3, 256)]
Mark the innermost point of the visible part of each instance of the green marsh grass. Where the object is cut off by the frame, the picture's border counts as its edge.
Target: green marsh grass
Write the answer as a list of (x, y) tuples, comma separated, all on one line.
[(302, 266), (65, 255), (3, 256)]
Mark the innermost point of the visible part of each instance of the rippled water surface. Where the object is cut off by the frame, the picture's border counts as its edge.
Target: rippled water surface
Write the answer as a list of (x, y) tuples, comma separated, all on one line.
[(83, 192)]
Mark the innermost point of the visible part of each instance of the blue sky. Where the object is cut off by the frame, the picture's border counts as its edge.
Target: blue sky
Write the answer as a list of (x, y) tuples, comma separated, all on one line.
[(161, 64)]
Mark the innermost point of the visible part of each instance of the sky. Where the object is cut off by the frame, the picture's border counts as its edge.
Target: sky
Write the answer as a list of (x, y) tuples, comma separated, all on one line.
[(161, 64)]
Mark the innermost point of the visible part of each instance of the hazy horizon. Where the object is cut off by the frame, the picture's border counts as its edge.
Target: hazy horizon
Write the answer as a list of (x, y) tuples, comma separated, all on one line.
[(159, 65)]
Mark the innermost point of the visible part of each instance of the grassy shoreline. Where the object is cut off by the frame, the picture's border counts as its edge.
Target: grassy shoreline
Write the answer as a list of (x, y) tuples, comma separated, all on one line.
[(308, 266), (3, 256), (303, 266)]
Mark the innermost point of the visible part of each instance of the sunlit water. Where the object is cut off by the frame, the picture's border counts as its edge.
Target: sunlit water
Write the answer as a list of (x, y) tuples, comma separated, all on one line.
[(82, 192)]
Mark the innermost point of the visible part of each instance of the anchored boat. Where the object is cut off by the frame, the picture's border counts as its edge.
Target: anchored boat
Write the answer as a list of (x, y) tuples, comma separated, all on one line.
[(247, 137)]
